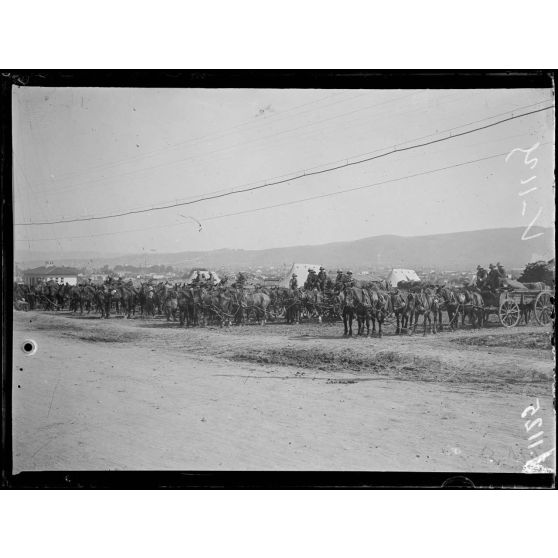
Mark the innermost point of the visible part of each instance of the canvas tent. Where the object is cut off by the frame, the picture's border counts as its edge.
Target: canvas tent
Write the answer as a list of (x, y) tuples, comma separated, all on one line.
[(396, 275), (301, 270), (204, 273)]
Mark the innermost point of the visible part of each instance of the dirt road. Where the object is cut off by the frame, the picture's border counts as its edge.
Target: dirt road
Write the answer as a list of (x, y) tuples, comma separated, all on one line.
[(132, 394)]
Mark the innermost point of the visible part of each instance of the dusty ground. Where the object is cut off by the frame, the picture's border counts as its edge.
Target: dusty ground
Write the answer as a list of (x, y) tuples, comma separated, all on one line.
[(135, 394)]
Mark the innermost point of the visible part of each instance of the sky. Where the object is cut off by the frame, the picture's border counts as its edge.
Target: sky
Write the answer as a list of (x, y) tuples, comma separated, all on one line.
[(90, 152)]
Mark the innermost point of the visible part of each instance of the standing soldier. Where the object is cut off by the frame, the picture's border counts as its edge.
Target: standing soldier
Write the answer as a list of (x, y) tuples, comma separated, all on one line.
[(339, 279), (501, 270), (293, 283), (349, 282), (493, 277), (322, 279)]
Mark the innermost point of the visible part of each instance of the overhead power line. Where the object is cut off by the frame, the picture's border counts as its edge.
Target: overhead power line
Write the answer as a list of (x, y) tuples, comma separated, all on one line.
[(345, 159), (283, 204), (273, 116), (236, 145), (285, 180)]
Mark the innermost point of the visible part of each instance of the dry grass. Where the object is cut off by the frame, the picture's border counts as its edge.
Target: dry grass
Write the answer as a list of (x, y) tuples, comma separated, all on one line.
[(516, 340)]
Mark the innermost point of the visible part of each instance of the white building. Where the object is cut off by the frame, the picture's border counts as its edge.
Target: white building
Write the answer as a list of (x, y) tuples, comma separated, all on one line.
[(51, 272)]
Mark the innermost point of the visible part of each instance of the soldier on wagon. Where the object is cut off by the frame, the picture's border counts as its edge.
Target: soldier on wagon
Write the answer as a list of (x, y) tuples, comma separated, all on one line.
[(493, 280), (349, 281), (311, 280), (322, 279), (482, 276)]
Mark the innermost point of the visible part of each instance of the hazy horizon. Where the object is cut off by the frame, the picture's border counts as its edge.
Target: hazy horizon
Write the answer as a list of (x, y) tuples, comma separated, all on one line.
[(550, 244)]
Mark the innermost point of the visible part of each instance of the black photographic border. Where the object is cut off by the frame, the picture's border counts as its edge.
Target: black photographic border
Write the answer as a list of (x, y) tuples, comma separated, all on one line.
[(312, 79)]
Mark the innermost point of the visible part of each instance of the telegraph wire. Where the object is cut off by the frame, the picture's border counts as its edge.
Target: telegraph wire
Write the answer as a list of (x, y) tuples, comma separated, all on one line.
[(221, 149), (282, 204), (344, 159), (276, 117), (283, 181)]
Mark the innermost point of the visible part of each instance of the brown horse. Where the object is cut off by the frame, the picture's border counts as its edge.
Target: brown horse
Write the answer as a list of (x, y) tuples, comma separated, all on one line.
[(474, 307), (381, 308), (355, 301), (425, 304), (257, 304)]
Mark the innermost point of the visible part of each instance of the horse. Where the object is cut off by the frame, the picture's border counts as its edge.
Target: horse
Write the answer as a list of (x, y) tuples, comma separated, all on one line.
[(400, 308), (381, 308), (293, 302), (425, 304), (474, 307), (355, 301), (257, 303), (61, 293), (312, 301), (447, 302), (187, 310), (103, 300), (170, 303)]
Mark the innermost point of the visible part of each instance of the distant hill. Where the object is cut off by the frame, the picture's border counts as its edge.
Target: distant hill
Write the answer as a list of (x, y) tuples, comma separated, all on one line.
[(454, 251)]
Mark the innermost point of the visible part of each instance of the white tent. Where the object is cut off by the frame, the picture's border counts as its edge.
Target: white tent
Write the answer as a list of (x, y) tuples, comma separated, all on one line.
[(396, 275), (204, 273), (301, 270)]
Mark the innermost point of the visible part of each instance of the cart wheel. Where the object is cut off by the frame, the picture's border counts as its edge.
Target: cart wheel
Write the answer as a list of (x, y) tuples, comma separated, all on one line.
[(278, 312), (543, 308), (509, 313)]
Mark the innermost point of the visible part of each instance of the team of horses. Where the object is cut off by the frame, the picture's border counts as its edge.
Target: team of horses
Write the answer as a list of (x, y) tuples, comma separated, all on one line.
[(368, 303)]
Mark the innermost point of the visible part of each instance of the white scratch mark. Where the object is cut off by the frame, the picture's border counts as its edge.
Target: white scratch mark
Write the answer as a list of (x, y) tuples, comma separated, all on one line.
[(528, 180), (533, 162), (527, 191), (523, 237)]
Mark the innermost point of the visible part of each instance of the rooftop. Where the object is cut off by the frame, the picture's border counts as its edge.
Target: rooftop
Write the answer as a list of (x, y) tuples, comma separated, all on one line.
[(58, 271)]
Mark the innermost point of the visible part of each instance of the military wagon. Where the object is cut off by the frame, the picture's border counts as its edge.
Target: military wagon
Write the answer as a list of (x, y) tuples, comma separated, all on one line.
[(513, 304)]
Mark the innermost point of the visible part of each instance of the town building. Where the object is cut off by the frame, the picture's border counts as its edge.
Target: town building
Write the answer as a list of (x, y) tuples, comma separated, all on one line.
[(50, 272)]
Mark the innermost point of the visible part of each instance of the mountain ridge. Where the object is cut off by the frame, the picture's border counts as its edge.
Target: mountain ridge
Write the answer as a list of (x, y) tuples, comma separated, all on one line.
[(459, 250)]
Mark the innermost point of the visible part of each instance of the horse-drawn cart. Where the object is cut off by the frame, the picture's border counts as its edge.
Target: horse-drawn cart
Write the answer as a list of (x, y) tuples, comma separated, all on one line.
[(512, 304)]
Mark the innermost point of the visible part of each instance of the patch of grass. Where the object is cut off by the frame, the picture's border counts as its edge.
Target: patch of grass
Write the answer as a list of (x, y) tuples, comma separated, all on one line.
[(323, 360), (516, 340), (103, 336)]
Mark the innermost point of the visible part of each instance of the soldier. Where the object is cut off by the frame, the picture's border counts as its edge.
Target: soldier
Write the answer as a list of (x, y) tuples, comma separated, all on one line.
[(203, 282), (493, 279), (310, 280), (322, 279), (501, 270), (293, 283), (196, 280), (339, 278), (240, 280), (481, 276), (349, 282)]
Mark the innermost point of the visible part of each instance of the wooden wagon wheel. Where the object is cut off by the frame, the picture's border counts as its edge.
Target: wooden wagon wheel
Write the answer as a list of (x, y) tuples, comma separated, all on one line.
[(509, 313), (543, 308), (277, 311)]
